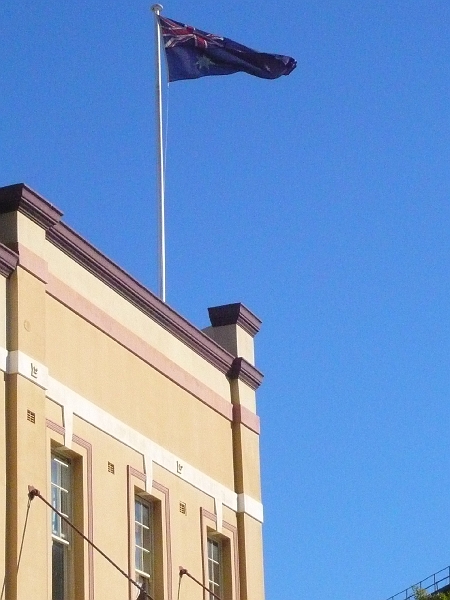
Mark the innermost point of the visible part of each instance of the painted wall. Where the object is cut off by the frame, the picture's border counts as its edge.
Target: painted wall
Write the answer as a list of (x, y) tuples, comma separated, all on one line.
[(135, 406)]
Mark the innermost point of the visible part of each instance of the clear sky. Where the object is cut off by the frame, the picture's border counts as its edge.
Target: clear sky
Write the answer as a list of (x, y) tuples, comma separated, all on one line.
[(319, 200)]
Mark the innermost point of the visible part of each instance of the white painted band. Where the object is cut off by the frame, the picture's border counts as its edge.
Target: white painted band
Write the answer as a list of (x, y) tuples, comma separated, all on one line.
[(18, 362), (251, 507), (148, 468), (74, 404), (219, 514)]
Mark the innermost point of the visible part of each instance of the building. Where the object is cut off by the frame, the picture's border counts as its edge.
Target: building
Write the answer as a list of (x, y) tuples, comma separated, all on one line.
[(138, 426)]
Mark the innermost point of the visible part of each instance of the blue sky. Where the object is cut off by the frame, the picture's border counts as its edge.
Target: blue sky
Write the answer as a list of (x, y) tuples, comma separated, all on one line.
[(319, 200)]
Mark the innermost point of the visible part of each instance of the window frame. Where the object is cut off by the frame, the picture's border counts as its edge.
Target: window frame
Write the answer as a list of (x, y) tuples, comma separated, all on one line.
[(158, 496), (146, 548), (226, 535), (61, 489), (215, 580)]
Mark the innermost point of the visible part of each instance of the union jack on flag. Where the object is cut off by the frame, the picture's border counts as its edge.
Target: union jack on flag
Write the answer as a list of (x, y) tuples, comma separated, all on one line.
[(192, 53), (176, 33)]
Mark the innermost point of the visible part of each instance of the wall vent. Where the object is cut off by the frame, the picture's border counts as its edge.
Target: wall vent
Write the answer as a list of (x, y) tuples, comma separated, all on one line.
[(31, 416), (183, 508), (110, 468)]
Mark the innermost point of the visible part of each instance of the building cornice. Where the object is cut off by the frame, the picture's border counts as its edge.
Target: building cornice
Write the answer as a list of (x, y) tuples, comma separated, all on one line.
[(20, 197), (8, 260), (23, 199), (244, 371)]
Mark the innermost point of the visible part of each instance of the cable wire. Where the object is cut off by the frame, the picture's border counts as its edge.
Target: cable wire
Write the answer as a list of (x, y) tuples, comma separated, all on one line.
[(186, 572), (21, 545)]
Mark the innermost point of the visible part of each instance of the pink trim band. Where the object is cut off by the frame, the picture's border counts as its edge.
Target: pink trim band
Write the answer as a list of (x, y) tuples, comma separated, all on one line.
[(85, 309), (246, 417)]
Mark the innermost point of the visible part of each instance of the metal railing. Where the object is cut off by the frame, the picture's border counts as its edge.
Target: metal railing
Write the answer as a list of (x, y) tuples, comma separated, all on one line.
[(432, 583)]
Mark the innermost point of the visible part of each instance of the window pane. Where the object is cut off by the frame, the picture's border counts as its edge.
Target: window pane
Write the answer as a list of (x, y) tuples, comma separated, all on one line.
[(143, 539), (146, 557), (55, 478), (138, 511), (215, 553), (139, 538), (58, 571), (56, 525), (61, 501), (65, 476), (60, 495), (145, 515), (213, 550), (146, 538), (64, 508), (138, 559), (216, 573), (214, 567)]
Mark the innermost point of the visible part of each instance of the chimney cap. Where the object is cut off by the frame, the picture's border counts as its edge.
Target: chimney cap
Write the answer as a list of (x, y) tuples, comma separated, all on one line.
[(234, 314)]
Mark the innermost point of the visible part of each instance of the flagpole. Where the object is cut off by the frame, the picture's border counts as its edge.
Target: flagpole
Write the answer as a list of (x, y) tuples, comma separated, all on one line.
[(157, 8)]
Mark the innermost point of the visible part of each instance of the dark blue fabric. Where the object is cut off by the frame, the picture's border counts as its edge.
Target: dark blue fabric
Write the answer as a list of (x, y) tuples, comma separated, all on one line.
[(192, 53)]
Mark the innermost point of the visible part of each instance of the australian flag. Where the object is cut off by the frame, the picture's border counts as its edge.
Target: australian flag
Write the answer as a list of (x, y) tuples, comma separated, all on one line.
[(192, 53)]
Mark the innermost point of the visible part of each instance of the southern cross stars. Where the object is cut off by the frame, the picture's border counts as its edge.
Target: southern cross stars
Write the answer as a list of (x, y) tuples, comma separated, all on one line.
[(204, 62)]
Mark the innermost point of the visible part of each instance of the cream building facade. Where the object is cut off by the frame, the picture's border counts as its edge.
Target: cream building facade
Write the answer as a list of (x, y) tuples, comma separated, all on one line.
[(136, 425)]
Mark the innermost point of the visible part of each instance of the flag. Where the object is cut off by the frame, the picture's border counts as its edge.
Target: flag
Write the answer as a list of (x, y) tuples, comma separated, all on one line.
[(192, 53)]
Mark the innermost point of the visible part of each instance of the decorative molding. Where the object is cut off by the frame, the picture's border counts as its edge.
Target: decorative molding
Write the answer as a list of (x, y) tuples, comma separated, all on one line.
[(131, 472), (244, 371), (8, 260), (74, 404), (137, 474), (235, 314), (90, 508), (22, 198), (165, 491), (128, 436), (54, 426)]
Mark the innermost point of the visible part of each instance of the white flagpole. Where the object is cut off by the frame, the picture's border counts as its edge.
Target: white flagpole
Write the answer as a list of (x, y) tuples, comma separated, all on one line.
[(157, 8)]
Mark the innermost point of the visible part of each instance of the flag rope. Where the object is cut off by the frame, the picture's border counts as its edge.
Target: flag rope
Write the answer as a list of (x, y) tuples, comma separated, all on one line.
[(34, 493)]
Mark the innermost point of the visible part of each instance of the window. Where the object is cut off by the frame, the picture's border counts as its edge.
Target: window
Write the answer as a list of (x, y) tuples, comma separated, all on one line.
[(214, 567), (61, 500), (219, 558), (143, 548)]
